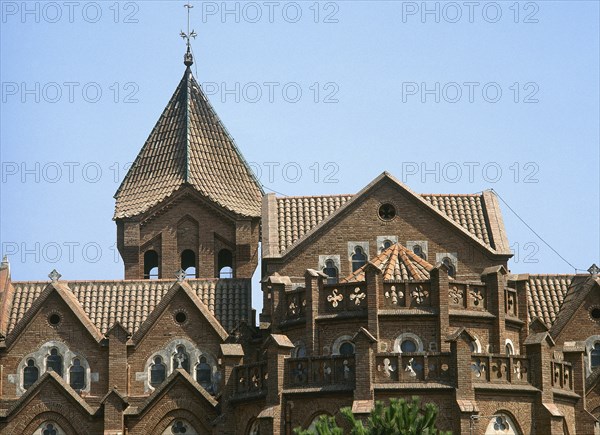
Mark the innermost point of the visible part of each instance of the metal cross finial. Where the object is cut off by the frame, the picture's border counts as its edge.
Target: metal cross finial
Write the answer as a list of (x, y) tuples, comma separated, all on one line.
[(594, 270), (54, 275), (188, 58), (180, 275)]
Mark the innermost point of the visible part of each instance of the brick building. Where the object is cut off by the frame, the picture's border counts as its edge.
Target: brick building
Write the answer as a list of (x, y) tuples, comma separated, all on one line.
[(384, 293)]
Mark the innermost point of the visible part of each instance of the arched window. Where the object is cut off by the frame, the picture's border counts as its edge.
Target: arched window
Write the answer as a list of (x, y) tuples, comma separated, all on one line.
[(181, 360), (188, 263), (178, 427), (347, 348), (501, 423), (408, 342), (509, 349), (225, 263), (151, 265), (254, 428), (313, 424), (595, 355), (418, 250), (30, 374), (77, 375), (55, 362), (158, 372), (450, 265), (359, 259), (475, 346), (331, 271), (299, 351), (49, 428), (204, 373), (387, 244)]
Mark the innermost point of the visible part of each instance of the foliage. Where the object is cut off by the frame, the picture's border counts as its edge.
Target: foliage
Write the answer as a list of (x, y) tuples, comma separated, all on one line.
[(399, 418)]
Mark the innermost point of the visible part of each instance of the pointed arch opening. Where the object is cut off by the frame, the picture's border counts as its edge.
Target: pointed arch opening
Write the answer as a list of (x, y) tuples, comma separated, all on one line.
[(359, 258), (54, 362), (225, 263), (30, 374), (450, 266), (151, 270), (188, 263), (331, 271)]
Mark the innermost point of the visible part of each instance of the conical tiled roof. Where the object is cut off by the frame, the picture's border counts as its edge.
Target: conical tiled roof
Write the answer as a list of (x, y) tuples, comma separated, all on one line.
[(397, 263), (189, 146)]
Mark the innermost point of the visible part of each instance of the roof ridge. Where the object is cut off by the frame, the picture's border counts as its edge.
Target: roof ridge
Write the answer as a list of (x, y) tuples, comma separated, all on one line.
[(161, 280), (451, 194), (315, 196)]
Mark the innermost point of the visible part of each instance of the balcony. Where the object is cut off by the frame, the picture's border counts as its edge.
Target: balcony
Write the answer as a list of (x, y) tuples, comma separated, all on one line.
[(413, 367), (250, 380), (320, 372), (500, 369)]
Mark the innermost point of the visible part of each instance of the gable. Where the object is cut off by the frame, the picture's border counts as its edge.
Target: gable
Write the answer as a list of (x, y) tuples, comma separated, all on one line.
[(55, 304), (358, 220), (478, 215), (36, 406), (178, 393), (579, 317), (131, 301), (182, 309)]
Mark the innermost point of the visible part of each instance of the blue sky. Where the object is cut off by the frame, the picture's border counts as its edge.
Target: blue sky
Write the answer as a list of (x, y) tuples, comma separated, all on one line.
[(504, 96)]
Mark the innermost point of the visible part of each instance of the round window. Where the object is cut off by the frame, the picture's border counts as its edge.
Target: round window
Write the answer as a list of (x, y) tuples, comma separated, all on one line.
[(54, 319), (408, 346), (180, 317), (387, 211), (595, 313)]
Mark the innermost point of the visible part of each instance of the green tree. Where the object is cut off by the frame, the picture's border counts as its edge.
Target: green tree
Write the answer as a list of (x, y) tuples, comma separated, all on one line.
[(399, 418)]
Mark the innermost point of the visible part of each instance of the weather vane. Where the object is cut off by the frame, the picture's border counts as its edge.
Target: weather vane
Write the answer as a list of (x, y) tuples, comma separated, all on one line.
[(188, 58)]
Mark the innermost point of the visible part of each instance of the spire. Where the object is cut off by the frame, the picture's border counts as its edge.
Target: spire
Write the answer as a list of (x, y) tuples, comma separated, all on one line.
[(189, 146), (188, 59)]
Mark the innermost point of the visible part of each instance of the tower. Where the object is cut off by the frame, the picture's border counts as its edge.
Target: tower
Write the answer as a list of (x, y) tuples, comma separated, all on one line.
[(189, 201)]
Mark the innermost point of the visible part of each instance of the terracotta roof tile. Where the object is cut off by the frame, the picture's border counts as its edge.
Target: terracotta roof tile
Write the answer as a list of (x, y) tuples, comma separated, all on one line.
[(298, 215), (545, 294), (130, 302), (397, 263), (189, 145)]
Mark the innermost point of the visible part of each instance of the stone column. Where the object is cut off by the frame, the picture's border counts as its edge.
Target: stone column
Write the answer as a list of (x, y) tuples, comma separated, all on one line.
[(519, 283), (365, 348), (314, 286), (117, 358), (575, 353), (494, 278), (439, 293), (466, 406), (114, 404), (374, 283), (548, 418), (231, 355), (278, 348)]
